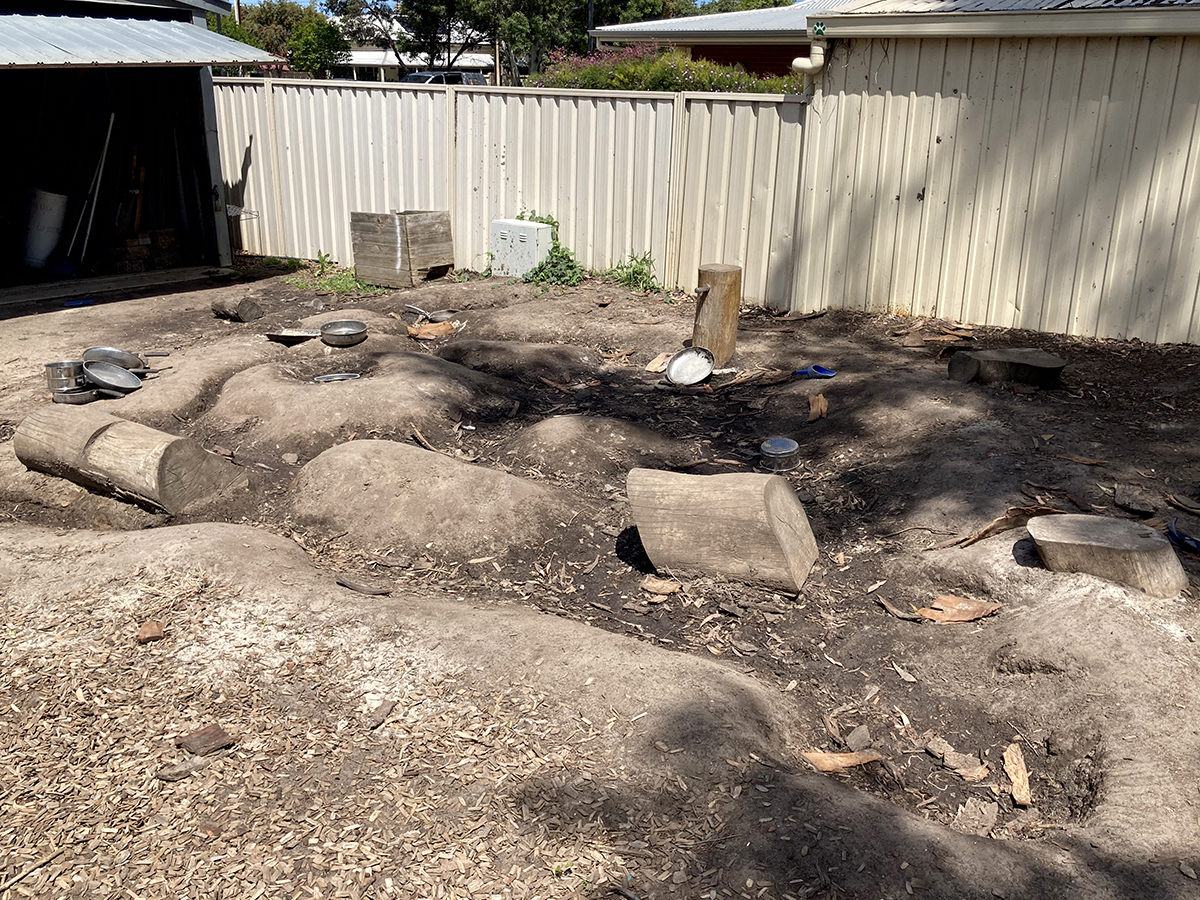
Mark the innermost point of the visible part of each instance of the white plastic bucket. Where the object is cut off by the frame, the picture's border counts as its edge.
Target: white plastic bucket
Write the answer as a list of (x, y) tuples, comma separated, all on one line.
[(46, 214)]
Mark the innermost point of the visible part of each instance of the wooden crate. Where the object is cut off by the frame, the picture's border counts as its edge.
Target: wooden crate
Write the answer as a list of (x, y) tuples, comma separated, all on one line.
[(400, 249)]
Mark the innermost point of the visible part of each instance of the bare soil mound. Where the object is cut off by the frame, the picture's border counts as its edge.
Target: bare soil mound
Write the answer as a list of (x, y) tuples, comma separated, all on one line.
[(383, 494), (522, 361), (279, 403), (596, 445)]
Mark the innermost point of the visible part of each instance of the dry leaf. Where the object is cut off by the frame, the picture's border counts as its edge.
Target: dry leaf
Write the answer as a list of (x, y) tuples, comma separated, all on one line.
[(838, 762), (1014, 767), (1082, 460), (659, 363), (876, 586), (665, 586), (904, 674), (948, 608), (1186, 869), (818, 406), (430, 330)]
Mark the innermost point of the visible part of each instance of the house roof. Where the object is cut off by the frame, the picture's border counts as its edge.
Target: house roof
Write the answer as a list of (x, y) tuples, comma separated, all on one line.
[(918, 18), (221, 7), (38, 42), (779, 24), (375, 58)]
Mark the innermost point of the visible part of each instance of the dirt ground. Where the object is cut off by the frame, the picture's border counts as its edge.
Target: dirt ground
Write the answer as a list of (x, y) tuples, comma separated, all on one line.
[(518, 717)]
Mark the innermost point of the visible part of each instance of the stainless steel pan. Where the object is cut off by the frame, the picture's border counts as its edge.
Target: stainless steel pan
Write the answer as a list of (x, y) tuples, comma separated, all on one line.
[(111, 377), (122, 358)]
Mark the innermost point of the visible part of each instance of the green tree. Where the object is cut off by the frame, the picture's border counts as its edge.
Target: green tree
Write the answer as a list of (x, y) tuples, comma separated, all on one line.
[(228, 27), (371, 23), (316, 46)]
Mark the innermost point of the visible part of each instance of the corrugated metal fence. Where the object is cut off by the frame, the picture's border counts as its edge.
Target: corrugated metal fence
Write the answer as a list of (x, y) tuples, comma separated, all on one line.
[(687, 178), (1051, 184)]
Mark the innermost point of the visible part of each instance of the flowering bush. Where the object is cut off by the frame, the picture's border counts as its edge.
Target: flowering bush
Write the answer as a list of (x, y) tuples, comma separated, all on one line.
[(648, 67)]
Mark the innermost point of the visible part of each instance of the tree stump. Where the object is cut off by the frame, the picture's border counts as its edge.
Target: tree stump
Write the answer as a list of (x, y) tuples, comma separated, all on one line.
[(720, 295), (243, 310), (1022, 364), (750, 527), (104, 453), (1128, 553)]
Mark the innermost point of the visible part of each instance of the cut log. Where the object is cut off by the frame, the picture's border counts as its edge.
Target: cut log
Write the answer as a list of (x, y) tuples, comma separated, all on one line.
[(1022, 364), (1126, 552), (243, 310), (719, 289), (113, 456), (748, 527)]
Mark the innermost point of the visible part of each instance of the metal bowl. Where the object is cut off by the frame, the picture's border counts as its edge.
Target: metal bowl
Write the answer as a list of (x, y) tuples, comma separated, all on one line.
[(690, 366), (65, 375), (336, 376), (344, 332), (111, 377)]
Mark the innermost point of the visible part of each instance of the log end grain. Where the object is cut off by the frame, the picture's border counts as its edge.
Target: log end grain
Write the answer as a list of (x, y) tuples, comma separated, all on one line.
[(1128, 553)]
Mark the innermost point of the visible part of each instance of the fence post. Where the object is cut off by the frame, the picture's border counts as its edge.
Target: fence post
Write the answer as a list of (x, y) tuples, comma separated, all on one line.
[(276, 163), (451, 129), (676, 166)]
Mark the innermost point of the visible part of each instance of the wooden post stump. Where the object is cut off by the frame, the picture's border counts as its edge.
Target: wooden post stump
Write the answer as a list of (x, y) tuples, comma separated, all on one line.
[(719, 293), (750, 527), (243, 310), (1126, 552), (114, 456)]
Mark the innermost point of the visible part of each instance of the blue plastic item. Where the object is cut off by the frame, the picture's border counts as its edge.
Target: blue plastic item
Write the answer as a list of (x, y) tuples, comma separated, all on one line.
[(816, 372), (1181, 539), (71, 303)]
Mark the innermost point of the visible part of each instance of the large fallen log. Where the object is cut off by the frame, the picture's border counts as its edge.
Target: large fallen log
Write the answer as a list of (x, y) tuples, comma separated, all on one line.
[(748, 527), (1126, 552), (110, 455)]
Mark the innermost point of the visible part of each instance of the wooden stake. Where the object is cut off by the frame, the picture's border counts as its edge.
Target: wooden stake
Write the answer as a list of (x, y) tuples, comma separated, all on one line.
[(720, 296)]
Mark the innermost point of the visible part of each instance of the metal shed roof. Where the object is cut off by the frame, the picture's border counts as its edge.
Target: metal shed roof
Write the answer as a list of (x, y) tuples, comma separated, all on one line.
[(36, 42), (891, 7), (782, 23)]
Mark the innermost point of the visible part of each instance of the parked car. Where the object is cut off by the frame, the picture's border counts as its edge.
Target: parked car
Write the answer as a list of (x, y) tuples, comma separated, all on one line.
[(451, 77)]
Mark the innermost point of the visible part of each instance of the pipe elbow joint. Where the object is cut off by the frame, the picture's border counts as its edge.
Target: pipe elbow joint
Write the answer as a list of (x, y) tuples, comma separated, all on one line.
[(813, 63)]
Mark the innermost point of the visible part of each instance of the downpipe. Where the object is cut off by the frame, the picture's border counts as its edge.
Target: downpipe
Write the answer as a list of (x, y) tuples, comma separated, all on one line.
[(813, 63)]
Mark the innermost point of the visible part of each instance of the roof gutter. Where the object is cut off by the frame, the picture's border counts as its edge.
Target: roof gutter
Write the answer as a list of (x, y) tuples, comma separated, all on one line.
[(1049, 23)]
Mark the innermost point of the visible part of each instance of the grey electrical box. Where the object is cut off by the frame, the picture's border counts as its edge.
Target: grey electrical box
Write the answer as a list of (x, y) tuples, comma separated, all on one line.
[(518, 247)]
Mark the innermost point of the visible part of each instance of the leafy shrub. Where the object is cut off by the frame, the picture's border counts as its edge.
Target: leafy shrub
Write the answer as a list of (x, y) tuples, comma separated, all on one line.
[(646, 67), (560, 267), (637, 274)]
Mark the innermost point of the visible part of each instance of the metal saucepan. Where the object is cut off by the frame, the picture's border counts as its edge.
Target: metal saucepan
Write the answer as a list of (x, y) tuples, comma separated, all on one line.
[(344, 332), (111, 377), (65, 375), (87, 395), (121, 358), (440, 315)]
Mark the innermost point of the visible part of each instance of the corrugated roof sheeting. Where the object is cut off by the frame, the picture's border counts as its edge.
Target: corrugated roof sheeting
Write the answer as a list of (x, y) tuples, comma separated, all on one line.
[(943, 7), (34, 42), (1047, 183), (778, 19)]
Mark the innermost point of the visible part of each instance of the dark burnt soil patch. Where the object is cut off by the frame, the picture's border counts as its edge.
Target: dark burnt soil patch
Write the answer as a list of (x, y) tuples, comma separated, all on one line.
[(904, 459)]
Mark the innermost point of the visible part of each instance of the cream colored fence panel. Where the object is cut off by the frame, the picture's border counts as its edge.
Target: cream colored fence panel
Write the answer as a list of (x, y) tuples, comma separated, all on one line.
[(1038, 183), (599, 164), (741, 176), (310, 152)]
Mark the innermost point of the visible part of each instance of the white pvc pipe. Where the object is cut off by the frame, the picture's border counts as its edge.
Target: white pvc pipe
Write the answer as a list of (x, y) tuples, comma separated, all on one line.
[(813, 63)]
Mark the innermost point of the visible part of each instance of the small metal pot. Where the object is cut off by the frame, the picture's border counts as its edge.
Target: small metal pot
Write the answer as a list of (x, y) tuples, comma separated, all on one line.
[(87, 395), (65, 375), (344, 332)]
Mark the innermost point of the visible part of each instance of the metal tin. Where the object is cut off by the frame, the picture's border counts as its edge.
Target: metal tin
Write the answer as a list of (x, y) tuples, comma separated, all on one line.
[(336, 376), (780, 454), (689, 366), (65, 375)]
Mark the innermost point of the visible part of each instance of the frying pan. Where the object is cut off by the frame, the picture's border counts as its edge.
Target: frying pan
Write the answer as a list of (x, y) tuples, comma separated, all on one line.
[(120, 358), (111, 376)]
